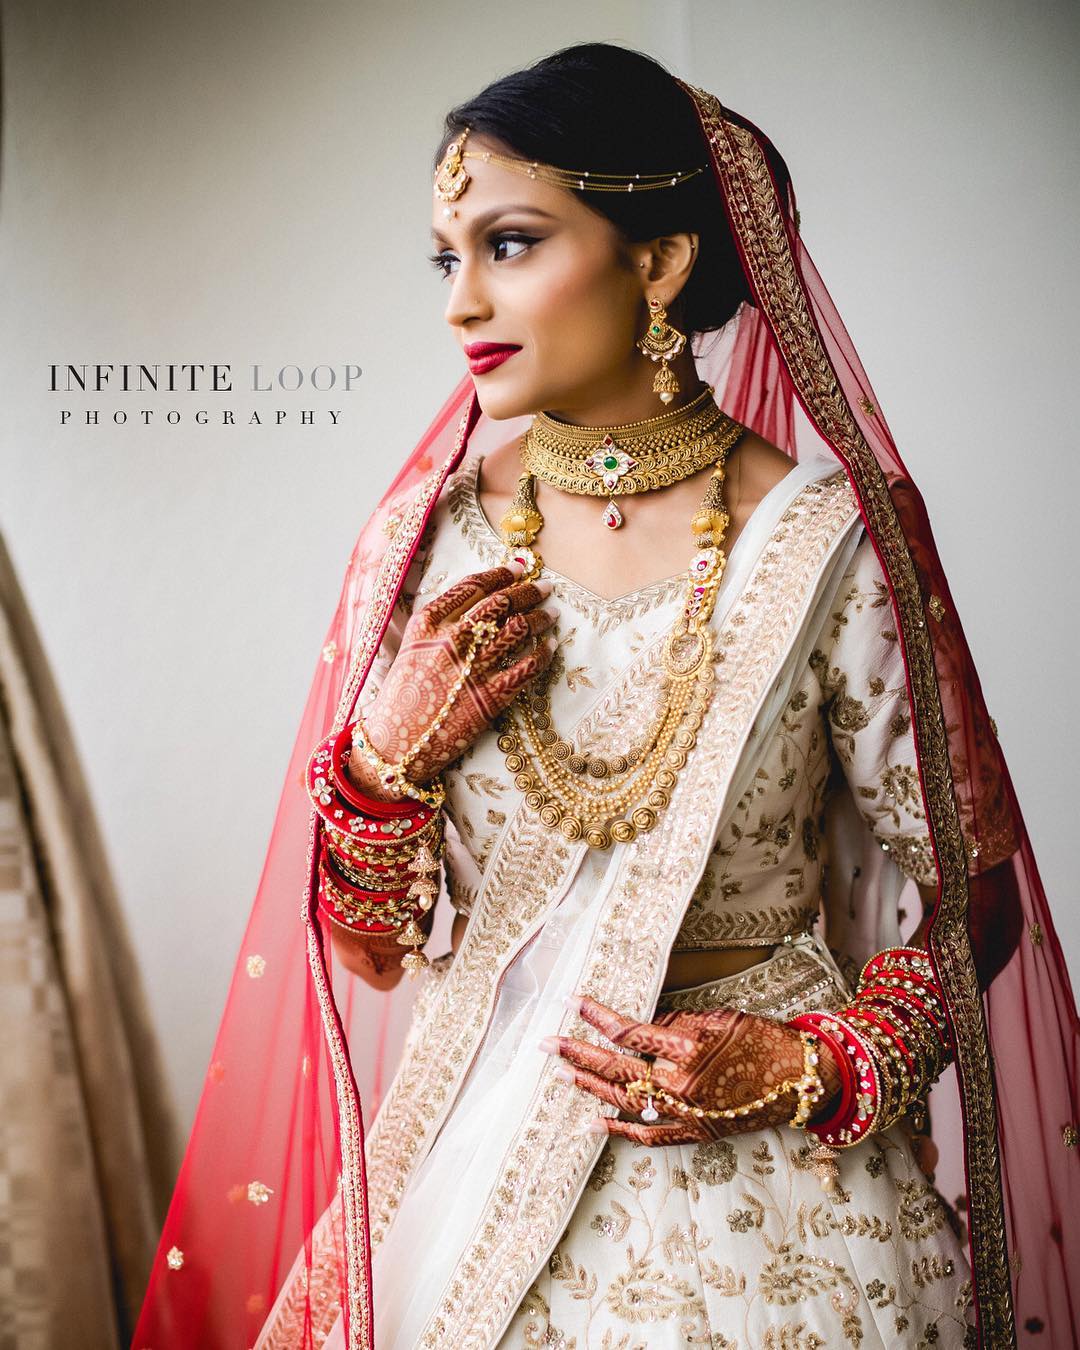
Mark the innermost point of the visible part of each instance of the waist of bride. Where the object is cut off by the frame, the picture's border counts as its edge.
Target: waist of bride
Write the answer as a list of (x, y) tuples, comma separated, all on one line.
[(799, 975)]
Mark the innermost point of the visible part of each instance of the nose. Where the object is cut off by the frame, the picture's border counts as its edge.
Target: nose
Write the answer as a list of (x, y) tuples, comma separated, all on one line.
[(469, 299)]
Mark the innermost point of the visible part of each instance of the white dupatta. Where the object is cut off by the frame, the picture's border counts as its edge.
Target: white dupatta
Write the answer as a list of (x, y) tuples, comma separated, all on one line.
[(439, 1254)]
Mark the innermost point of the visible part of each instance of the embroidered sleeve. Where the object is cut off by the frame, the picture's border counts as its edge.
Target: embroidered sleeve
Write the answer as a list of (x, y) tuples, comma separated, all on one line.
[(861, 669)]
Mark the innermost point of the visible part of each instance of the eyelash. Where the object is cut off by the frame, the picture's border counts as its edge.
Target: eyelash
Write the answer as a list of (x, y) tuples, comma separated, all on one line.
[(441, 261)]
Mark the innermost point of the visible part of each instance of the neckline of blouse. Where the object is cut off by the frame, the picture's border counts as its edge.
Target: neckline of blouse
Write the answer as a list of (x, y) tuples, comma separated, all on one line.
[(654, 590)]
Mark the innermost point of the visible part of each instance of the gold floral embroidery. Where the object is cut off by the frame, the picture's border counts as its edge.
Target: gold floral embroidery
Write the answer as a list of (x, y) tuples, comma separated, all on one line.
[(913, 854), (723, 1237)]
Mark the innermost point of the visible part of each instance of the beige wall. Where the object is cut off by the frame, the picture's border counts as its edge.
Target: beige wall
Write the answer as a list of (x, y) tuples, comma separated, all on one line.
[(249, 182)]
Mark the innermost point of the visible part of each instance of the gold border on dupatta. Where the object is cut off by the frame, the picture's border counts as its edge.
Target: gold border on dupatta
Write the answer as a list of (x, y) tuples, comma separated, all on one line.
[(548, 1161), (758, 219), (352, 1181)]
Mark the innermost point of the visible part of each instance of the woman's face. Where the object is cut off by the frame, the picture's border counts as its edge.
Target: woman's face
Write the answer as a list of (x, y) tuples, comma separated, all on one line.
[(528, 264)]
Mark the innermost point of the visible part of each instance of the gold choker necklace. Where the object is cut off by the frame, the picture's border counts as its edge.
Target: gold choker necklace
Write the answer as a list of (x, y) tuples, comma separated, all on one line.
[(632, 457)]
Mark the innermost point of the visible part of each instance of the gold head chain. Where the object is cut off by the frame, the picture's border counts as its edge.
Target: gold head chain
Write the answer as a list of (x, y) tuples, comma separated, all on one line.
[(452, 178)]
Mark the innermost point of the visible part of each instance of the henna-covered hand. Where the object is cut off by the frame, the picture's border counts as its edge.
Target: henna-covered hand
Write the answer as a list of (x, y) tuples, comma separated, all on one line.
[(716, 1060), (431, 658)]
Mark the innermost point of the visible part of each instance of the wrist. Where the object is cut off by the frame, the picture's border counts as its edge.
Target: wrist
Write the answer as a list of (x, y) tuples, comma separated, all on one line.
[(366, 780), (831, 1080), (395, 777)]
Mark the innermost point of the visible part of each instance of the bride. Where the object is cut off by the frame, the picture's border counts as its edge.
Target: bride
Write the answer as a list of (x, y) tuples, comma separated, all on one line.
[(646, 666)]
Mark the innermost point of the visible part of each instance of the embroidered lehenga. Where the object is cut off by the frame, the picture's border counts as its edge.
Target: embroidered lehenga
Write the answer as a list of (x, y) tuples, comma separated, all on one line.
[(846, 751)]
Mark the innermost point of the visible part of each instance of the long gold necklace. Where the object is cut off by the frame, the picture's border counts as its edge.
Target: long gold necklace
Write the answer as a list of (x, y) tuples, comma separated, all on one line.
[(587, 796), (632, 457)]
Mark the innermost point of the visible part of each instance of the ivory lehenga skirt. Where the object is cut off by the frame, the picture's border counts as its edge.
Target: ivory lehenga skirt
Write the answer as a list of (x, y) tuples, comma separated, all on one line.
[(734, 1245)]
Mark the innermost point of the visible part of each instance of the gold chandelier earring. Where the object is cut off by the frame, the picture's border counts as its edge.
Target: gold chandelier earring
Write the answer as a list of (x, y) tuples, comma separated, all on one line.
[(662, 342)]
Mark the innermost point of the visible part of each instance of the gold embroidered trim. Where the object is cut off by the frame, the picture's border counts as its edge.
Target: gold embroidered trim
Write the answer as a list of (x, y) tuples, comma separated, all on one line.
[(791, 982), (710, 929), (316, 1295), (526, 870), (760, 225), (913, 854), (548, 1163)]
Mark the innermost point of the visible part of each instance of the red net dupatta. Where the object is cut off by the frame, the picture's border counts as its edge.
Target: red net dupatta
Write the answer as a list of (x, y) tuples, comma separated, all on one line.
[(271, 1206), (992, 941)]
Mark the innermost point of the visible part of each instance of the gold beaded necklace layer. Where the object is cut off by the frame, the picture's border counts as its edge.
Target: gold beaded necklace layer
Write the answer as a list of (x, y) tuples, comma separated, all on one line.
[(586, 795)]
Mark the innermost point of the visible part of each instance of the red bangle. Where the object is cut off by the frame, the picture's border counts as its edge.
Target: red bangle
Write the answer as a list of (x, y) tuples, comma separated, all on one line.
[(874, 1017), (351, 888), (844, 1066), (907, 959), (341, 753), (916, 1004), (844, 1130), (340, 815), (329, 910)]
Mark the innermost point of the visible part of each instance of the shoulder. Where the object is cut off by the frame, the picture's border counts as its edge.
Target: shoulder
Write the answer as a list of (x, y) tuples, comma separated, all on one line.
[(761, 466)]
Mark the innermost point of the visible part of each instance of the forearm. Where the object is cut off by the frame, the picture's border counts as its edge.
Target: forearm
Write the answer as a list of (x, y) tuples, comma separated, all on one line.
[(374, 957)]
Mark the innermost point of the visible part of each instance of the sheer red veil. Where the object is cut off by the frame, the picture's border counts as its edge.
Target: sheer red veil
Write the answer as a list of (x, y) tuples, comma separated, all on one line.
[(279, 1131)]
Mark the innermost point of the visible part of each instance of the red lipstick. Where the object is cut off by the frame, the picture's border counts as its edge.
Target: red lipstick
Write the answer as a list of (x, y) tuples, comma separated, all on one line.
[(485, 356)]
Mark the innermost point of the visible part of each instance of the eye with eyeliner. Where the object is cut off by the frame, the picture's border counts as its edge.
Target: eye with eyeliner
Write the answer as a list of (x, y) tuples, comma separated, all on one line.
[(441, 261)]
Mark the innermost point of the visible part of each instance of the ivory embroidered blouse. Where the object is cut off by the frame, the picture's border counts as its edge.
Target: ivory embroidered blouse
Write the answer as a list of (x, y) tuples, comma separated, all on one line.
[(848, 714)]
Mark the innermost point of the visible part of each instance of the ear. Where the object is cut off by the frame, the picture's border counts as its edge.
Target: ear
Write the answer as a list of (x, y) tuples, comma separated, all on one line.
[(668, 259)]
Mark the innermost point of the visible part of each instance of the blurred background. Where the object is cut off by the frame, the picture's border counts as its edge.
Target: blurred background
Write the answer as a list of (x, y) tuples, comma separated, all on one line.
[(251, 183)]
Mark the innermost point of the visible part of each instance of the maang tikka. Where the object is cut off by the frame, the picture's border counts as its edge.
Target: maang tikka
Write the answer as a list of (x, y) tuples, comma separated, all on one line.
[(662, 342)]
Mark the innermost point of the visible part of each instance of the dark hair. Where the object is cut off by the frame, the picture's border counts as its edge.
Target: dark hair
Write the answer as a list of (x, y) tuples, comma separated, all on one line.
[(609, 109)]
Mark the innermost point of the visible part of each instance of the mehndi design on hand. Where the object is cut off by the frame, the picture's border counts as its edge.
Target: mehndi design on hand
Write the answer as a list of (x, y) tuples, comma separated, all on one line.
[(431, 659), (714, 1060)]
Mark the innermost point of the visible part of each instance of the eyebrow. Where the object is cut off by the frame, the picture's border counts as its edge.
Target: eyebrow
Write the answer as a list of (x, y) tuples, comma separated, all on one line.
[(486, 217)]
